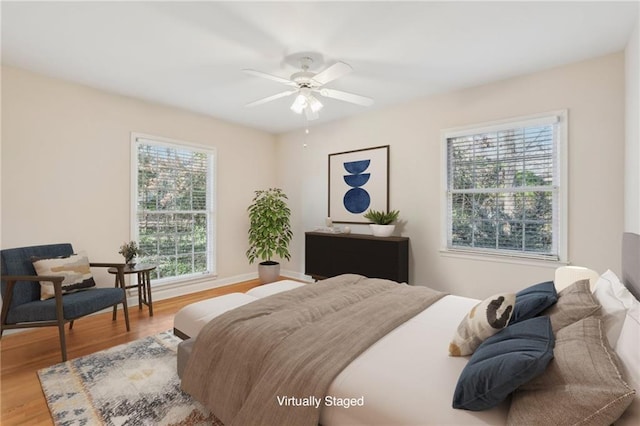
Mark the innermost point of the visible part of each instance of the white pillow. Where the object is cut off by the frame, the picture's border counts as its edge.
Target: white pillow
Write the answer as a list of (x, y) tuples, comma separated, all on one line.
[(483, 321), (628, 350), (615, 300), (567, 275)]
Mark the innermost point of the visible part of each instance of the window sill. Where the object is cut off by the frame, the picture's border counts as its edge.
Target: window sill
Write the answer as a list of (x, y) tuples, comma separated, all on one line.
[(490, 257)]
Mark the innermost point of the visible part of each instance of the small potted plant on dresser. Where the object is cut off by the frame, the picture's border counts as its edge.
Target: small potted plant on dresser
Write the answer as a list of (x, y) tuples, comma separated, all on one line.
[(269, 232), (382, 225)]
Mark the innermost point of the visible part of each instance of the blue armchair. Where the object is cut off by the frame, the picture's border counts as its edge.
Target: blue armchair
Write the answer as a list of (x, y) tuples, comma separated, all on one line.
[(21, 304)]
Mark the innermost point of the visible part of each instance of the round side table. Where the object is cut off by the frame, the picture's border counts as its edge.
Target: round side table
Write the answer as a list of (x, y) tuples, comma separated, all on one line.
[(143, 283)]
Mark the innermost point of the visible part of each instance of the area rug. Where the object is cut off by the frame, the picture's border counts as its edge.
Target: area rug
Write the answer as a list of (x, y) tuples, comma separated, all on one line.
[(131, 384)]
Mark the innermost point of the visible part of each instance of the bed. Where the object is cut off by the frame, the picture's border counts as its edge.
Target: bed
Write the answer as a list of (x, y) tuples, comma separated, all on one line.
[(408, 377)]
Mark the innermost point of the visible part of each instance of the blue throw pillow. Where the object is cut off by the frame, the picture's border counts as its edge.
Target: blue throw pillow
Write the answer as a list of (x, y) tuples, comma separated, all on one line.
[(503, 362), (533, 300)]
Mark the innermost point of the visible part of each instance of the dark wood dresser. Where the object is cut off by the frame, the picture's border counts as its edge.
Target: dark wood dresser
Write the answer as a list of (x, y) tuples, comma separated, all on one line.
[(328, 255)]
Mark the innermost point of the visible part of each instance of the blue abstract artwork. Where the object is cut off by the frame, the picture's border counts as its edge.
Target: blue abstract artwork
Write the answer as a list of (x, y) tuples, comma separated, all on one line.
[(358, 181), (356, 167), (356, 200)]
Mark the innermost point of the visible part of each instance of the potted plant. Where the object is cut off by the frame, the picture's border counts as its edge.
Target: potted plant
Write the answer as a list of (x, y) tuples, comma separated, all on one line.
[(382, 225), (129, 251), (269, 232)]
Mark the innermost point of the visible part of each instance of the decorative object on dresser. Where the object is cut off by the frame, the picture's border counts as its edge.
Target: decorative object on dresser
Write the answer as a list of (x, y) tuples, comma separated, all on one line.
[(328, 255), (269, 232), (358, 181), (382, 225)]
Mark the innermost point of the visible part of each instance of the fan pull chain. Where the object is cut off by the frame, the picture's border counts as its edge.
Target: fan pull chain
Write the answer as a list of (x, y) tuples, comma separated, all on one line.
[(306, 133)]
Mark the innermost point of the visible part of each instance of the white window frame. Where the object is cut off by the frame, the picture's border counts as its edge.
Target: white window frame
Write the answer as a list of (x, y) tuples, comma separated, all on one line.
[(211, 203), (560, 231)]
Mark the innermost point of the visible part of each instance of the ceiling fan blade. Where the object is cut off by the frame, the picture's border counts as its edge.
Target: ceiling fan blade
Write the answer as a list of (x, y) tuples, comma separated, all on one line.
[(345, 96), (271, 98), (269, 77), (336, 70)]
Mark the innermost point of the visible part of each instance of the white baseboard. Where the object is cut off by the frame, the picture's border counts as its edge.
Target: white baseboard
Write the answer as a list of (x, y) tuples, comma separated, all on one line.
[(175, 290)]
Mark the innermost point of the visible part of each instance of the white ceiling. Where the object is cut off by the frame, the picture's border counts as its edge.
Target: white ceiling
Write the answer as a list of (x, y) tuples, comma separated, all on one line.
[(190, 54)]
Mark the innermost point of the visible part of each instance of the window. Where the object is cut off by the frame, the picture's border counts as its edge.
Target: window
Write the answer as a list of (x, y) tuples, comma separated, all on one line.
[(173, 207), (505, 188)]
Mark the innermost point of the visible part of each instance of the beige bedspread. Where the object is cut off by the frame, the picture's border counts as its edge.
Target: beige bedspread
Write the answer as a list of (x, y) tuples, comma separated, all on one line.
[(271, 361)]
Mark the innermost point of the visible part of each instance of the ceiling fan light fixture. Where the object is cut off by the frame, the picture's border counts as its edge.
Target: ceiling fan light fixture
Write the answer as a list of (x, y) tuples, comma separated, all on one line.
[(314, 103), (306, 83), (299, 104)]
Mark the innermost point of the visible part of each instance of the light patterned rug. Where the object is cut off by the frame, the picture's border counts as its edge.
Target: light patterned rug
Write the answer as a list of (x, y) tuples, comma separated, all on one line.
[(131, 384)]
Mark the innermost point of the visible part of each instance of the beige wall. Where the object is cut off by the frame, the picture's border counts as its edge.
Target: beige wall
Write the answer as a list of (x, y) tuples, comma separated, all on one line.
[(66, 167), (593, 93), (632, 154)]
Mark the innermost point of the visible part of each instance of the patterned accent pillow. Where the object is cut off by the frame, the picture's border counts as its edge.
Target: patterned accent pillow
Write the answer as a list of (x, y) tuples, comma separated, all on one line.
[(483, 321), (74, 268)]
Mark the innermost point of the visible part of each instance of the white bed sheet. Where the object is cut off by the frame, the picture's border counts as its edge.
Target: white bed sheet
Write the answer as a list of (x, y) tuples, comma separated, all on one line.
[(408, 377)]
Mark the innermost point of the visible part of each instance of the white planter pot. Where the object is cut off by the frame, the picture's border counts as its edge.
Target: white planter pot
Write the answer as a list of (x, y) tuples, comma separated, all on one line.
[(268, 272), (382, 230)]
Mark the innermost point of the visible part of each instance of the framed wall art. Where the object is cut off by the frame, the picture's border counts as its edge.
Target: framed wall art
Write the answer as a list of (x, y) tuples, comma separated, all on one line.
[(358, 181)]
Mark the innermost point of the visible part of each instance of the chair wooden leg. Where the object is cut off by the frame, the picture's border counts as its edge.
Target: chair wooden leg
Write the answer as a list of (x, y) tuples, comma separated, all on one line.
[(6, 302), (71, 325), (60, 318), (63, 343)]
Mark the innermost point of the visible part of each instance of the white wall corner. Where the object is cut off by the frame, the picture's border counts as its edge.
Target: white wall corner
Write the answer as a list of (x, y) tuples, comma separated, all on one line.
[(632, 133)]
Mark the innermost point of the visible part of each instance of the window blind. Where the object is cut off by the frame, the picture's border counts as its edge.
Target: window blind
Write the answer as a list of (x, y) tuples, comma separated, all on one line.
[(503, 189), (173, 207)]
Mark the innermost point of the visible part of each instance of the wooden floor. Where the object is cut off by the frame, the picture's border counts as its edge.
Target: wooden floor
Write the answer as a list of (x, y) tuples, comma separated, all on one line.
[(22, 354)]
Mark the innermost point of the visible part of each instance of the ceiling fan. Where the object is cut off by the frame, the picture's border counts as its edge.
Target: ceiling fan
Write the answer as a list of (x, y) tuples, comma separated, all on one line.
[(306, 84)]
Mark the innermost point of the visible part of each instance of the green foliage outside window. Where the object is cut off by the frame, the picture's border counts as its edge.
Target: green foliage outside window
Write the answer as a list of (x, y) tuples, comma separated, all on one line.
[(173, 218), (501, 190)]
